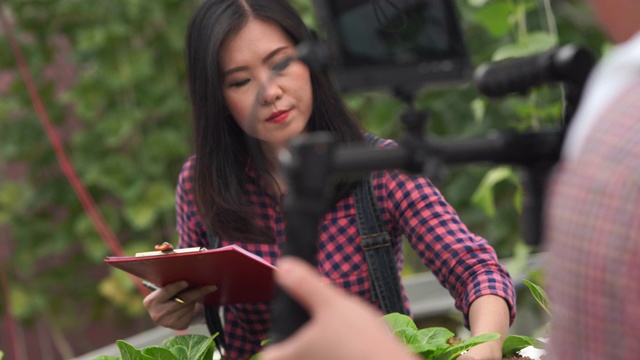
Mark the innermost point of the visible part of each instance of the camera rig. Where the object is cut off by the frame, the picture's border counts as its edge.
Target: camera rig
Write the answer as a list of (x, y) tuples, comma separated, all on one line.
[(314, 159)]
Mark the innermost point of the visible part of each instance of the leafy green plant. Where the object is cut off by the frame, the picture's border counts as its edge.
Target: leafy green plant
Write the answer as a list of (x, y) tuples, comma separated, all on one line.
[(513, 344), (539, 294), (180, 347), (437, 343), (433, 343)]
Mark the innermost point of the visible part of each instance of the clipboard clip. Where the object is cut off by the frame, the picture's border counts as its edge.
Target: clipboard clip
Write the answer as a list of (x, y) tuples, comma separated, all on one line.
[(167, 249)]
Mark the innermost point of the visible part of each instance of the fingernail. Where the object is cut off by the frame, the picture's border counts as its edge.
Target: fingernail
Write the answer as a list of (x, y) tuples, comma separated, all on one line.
[(212, 288)]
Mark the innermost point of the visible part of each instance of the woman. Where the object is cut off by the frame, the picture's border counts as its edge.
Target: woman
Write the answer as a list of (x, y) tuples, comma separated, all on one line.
[(240, 103)]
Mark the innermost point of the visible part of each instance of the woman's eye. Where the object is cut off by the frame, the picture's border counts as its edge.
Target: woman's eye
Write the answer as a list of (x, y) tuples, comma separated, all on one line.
[(240, 83), (282, 64)]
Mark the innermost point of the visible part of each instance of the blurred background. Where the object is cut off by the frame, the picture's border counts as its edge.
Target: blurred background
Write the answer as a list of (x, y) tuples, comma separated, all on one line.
[(91, 171)]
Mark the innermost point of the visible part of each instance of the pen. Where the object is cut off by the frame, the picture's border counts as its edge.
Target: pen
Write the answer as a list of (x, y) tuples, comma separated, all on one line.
[(152, 287)]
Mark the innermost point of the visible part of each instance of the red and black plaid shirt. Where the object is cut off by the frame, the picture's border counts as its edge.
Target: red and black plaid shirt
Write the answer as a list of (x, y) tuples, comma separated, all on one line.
[(409, 205), (593, 235)]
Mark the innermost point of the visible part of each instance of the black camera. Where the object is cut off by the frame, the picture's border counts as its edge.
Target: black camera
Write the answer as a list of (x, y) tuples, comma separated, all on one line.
[(405, 44)]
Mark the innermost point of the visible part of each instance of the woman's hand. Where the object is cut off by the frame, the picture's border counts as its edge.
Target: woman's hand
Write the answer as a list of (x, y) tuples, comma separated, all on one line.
[(165, 311), (341, 325)]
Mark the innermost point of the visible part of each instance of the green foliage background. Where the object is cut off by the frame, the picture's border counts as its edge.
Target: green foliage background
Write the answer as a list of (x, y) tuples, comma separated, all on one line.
[(125, 119)]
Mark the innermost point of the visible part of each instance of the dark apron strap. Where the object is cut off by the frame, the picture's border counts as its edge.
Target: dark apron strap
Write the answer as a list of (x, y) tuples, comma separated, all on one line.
[(378, 250)]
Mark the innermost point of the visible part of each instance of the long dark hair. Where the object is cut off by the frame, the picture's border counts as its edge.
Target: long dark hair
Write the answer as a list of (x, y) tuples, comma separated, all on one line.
[(221, 147)]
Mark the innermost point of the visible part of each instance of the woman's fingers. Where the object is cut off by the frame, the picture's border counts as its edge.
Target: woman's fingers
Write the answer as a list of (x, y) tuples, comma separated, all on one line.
[(164, 308), (350, 326)]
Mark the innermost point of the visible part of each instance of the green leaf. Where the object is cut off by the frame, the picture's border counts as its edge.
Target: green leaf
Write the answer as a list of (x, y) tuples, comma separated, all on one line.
[(411, 338), (467, 344), (494, 17), (519, 259), (397, 321), (483, 197), (141, 215), (142, 212), (407, 336), (478, 108), (539, 294), (180, 351), (427, 342), (427, 351), (159, 353), (434, 341), (514, 343), (477, 3), (437, 336), (24, 303), (128, 352), (14, 198), (533, 43), (197, 346)]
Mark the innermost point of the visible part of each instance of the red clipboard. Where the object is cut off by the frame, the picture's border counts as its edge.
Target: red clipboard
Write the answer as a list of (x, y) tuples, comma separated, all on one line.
[(240, 275)]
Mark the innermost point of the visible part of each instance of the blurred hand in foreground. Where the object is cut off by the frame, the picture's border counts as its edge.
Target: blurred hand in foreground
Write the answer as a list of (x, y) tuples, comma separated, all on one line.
[(341, 326)]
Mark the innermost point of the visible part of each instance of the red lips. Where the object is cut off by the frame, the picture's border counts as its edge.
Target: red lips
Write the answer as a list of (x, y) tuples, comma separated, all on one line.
[(278, 117)]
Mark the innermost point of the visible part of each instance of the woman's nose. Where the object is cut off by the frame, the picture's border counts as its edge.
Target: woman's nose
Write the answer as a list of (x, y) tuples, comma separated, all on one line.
[(272, 93)]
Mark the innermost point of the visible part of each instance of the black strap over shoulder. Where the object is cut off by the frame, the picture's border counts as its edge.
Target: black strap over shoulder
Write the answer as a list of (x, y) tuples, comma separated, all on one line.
[(378, 250), (377, 246)]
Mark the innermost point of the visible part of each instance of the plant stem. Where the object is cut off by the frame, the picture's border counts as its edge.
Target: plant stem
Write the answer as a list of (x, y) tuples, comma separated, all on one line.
[(551, 19)]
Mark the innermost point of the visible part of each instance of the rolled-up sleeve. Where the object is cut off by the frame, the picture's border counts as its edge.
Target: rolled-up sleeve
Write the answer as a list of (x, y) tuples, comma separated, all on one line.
[(463, 262)]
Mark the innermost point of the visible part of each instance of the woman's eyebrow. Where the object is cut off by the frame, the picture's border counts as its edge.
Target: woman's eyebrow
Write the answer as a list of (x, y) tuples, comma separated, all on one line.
[(273, 53), (266, 59)]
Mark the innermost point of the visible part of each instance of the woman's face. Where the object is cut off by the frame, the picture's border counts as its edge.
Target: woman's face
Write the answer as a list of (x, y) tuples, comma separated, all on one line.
[(281, 102)]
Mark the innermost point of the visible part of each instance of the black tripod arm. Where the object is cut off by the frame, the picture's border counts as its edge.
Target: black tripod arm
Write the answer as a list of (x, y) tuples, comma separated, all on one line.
[(362, 159), (502, 148)]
